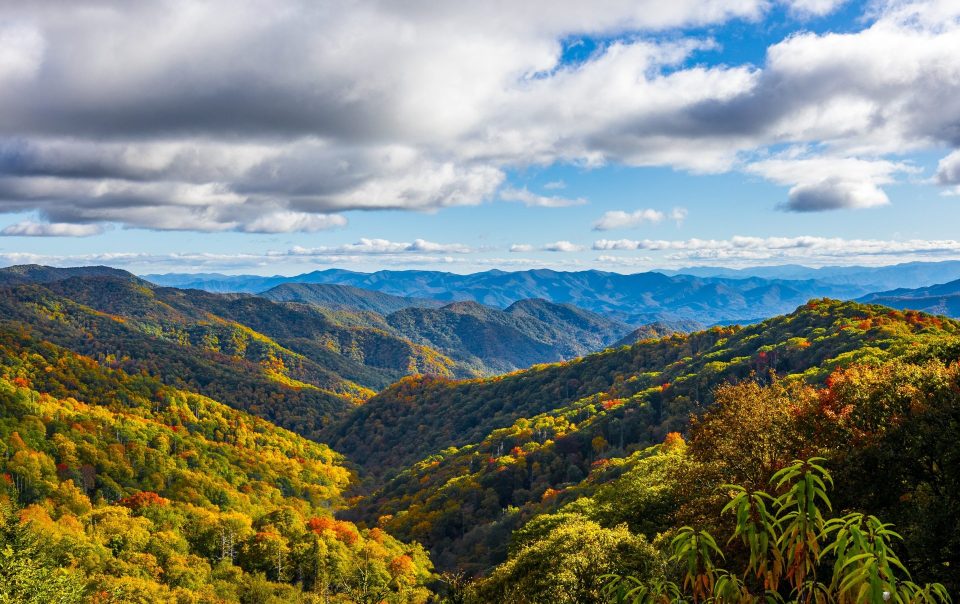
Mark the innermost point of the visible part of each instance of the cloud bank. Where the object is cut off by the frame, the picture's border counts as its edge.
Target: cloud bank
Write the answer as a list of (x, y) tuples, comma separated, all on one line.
[(279, 116)]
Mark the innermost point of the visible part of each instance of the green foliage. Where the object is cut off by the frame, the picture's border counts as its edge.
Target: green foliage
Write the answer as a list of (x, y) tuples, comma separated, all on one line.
[(455, 501), (28, 573), (568, 565), (146, 493), (857, 550)]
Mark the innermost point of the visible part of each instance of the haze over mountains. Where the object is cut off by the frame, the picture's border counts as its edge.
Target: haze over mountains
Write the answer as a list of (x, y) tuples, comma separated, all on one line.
[(633, 299), (704, 295), (940, 299), (870, 278)]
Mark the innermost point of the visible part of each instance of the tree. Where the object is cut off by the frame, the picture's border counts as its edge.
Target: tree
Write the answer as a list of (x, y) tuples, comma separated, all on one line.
[(795, 554), (28, 575), (569, 564)]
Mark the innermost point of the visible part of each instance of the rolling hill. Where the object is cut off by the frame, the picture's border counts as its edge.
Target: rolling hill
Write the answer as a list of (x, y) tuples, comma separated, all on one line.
[(867, 278), (659, 329), (154, 446), (444, 413)]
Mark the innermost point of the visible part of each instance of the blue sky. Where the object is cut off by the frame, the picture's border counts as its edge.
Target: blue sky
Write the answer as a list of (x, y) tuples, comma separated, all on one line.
[(286, 136)]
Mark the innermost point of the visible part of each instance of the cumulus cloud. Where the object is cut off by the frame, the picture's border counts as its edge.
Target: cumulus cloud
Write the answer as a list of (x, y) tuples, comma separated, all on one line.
[(562, 246), (813, 8), (831, 183), (385, 246), (521, 248), (948, 171), (618, 219), (542, 201), (42, 229), (258, 116)]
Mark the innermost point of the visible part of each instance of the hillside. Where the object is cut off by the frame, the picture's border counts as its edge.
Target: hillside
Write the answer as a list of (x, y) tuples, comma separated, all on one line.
[(345, 297), (35, 273), (941, 299), (811, 341), (291, 364), (496, 341), (658, 329), (481, 339), (488, 447), (140, 492), (633, 299), (873, 439)]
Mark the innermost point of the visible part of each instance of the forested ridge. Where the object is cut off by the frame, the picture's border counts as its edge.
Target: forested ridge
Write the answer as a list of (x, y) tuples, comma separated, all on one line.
[(142, 461), (665, 378), (119, 488)]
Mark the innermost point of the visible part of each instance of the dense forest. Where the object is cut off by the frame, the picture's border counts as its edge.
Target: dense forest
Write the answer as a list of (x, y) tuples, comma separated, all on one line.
[(162, 445), (119, 488)]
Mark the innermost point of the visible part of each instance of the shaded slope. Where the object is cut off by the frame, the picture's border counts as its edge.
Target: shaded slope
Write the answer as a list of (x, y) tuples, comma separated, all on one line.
[(528, 332), (345, 297), (445, 413)]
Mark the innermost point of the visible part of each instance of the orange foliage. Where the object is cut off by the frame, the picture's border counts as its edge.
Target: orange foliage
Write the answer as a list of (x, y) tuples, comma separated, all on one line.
[(613, 403), (672, 441), (143, 499), (401, 566)]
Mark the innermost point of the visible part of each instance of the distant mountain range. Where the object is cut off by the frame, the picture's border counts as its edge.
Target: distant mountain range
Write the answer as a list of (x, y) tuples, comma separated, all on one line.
[(869, 278), (941, 299), (345, 297), (636, 299)]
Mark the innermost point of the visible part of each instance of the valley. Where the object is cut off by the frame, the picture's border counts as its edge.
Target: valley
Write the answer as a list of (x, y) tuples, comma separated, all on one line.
[(329, 439)]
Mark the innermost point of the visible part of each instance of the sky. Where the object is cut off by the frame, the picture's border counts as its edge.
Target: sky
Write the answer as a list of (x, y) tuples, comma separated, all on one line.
[(283, 136)]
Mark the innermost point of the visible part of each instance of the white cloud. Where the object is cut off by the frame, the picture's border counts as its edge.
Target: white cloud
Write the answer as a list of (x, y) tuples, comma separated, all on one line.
[(44, 229), (385, 246), (21, 52), (532, 199), (831, 183), (522, 248), (555, 185), (562, 246), (818, 250), (287, 222), (618, 219), (813, 8), (293, 260), (948, 170), (219, 116)]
